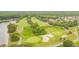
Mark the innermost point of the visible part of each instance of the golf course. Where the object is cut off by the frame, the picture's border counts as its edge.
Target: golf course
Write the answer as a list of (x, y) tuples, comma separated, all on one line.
[(53, 34), (39, 29)]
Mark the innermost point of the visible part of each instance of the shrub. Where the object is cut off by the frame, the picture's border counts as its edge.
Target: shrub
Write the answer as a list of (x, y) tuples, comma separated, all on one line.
[(11, 28), (14, 37), (37, 30), (68, 43)]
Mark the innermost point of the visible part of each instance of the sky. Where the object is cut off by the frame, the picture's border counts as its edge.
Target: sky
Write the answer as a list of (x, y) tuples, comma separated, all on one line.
[(39, 5)]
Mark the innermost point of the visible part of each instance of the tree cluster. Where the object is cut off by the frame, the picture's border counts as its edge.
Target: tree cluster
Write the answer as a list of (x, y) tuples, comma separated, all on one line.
[(12, 32), (14, 37), (12, 28), (64, 23), (68, 43), (36, 29)]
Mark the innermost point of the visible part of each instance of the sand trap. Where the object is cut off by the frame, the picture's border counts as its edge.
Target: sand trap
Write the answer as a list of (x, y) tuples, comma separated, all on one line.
[(19, 30), (64, 36), (45, 38), (50, 35)]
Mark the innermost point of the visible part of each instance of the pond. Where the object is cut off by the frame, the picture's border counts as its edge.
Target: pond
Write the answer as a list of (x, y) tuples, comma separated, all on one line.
[(4, 36)]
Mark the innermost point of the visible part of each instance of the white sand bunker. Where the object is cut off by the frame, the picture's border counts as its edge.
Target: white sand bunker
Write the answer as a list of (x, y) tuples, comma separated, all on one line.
[(76, 33), (64, 37), (19, 30), (45, 38)]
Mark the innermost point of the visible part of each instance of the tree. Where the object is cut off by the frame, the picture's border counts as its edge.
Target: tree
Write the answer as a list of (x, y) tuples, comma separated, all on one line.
[(70, 32), (37, 30), (68, 43), (34, 25), (11, 28), (29, 21), (14, 37)]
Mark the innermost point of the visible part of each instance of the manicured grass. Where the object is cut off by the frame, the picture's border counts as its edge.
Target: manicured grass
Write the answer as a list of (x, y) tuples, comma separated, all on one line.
[(55, 30), (26, 29), (27, 32), (73, 29), (12, 43), (54, 40), (22, 23), (77, 43), (40, 23), (58, 31), (71, 37), (34, 39)]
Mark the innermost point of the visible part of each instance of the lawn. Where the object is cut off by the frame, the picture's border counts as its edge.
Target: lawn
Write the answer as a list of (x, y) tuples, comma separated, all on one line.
[(40, 23), (27, 32), (26, 29), (34, 39), (22, 23), (56, 30), (71, 37), (77, 43)]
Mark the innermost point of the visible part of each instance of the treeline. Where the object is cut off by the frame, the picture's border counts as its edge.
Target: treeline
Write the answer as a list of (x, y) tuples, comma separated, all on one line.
[(12, 32), (55, 22), (8, 17), (36, 29), (63, 23)]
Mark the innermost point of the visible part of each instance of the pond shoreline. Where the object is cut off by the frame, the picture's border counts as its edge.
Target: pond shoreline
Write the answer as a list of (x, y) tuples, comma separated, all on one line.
[(4, 36)]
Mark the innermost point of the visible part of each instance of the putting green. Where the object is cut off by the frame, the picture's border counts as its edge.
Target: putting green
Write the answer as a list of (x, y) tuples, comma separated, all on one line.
[(58, 31), (34, 39)]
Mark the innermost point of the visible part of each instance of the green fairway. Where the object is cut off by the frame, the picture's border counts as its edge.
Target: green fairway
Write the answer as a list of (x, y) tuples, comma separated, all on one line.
[(34, 39), (71, 37), (27, 32), (40, 23), (23, 23), (77, 43), (56, 30)]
